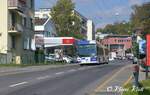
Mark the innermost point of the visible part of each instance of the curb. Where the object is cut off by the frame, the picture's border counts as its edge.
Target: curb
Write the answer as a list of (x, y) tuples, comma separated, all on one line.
[(127, 81)]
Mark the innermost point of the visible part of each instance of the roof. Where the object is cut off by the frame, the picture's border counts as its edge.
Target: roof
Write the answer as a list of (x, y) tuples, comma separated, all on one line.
[(118, 36), (40, 21), (79, 14)]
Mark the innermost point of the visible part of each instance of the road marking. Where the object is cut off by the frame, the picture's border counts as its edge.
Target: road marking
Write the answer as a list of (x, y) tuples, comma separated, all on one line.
[(21, 83), (129, 79), (72, 70), (81, 68), (107, 81), (43, 77), (59, 73)]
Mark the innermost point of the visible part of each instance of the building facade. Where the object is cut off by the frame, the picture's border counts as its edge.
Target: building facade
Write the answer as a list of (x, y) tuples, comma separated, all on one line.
[(16, 30), (90, 30), (44, 27), (100, 36), (87, 26), (117, 43), (43, 13)]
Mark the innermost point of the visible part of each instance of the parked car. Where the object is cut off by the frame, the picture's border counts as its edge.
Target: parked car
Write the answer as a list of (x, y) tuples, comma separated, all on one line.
[(74, 60), (50, 58), (67, 59)]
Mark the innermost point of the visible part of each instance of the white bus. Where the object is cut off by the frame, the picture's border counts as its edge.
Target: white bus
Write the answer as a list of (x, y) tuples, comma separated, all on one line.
[(89, 52)]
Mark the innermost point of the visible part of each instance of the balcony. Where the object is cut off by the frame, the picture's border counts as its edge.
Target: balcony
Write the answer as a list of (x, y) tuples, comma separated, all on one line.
[(15, 29), (17, 5)]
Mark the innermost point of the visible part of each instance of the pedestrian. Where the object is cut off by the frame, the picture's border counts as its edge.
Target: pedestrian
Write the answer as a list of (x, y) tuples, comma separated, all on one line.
[(136, 72)]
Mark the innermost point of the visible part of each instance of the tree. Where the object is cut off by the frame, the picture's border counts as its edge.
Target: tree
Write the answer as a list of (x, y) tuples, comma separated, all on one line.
[(122, 28), (66, 23), (141, 17)]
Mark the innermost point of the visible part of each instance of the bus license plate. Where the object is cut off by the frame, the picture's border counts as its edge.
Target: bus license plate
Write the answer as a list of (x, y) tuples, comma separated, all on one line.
[(93, 59)]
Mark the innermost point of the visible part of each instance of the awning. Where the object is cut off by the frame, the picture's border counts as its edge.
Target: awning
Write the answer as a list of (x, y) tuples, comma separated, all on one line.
[(54, 45)]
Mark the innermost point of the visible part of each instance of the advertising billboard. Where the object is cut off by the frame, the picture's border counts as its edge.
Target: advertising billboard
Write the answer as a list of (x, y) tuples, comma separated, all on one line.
[(142, 46), (148, 50)]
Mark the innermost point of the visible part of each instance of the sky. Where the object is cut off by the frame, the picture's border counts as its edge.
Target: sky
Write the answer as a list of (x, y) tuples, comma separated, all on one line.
[(102, 12)]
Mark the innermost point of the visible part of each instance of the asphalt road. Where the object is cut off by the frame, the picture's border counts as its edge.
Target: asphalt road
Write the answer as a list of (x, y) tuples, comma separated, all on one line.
[(71, 80)]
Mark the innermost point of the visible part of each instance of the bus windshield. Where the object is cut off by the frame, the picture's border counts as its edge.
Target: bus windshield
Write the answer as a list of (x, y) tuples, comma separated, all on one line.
[(87, 50)]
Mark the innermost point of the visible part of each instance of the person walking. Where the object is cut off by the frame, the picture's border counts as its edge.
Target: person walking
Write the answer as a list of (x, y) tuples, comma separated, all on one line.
[(136, 72)]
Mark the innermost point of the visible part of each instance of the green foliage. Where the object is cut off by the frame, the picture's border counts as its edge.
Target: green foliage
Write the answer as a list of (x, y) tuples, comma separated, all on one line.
[(144, 84), (66, 23), (135, 48), (141, 17), (122, 28)]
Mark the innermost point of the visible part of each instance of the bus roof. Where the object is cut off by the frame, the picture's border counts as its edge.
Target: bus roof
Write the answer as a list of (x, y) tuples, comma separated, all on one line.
[(84, 42)]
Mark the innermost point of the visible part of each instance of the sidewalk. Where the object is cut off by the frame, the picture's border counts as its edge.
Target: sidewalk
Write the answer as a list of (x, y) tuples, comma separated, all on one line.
[(114, 82), (14, 70)]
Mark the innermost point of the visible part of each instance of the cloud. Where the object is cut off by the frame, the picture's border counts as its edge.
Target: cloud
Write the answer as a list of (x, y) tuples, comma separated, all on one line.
[(102, 25), (137, 2), (102, 13), (120, 10), (109, 16)]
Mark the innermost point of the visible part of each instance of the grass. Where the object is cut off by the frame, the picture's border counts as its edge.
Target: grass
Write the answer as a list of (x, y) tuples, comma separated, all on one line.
[(31, 64), (144, 89)]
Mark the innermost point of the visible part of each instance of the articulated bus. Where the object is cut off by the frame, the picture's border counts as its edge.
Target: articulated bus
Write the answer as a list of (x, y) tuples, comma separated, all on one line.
[(90, 52)]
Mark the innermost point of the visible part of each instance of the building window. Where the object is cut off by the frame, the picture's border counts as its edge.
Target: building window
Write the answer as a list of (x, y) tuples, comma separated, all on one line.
[(32, 4), (47, 34), (13, 42), (13, 17), (24, 22), (26, 43), (31, 22)]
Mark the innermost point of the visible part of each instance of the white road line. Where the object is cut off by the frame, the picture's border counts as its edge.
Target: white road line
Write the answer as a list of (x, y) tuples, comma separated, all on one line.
[(21, 83), (81, 68), (59, 73), (43, 77), (72, 70)]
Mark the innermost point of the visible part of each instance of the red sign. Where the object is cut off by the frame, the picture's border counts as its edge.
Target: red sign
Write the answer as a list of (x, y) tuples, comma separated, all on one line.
[(148, 50), (68, 41)]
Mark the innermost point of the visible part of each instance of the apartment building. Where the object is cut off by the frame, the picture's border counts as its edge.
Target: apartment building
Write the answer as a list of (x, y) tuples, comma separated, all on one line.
[(43, 13), (44, 27), (117, 43), (90, 30), (87, 28), (16, 30)]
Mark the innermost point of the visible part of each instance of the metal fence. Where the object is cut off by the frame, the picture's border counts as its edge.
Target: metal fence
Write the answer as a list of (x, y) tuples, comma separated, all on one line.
[(3, 58), (25, 59)]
